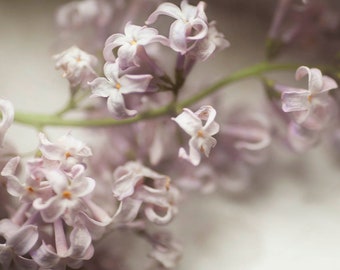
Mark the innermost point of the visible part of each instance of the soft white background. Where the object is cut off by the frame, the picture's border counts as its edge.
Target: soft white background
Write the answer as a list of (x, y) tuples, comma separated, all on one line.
[(291, 217)]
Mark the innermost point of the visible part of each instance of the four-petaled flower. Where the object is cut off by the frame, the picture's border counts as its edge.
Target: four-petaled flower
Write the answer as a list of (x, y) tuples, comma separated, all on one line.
[(309, 107), (134, 37), (190, 25), (201, 134), (78, 66), (115, 86)]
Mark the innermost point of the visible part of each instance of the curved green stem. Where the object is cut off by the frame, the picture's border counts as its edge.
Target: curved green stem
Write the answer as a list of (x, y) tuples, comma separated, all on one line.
[(40, 120)]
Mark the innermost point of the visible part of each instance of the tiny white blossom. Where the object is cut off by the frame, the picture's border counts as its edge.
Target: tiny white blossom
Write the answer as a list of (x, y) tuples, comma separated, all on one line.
[(78, 66), (201, 134)]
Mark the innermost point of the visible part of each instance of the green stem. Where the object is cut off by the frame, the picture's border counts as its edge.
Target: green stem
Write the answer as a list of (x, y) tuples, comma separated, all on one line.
[(40, 120)]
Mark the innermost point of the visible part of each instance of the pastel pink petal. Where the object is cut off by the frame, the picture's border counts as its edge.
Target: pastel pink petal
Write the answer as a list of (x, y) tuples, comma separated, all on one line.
[(212, 129), (135, 83), (77, 171), (50, 210), (10, 166), (82, 186), (208, 114), (80, 241), (111, 43), (151, 215), (57, 179), (167, 9), (101, 87), (49, 150), (177, 36), (116, 106), (125, 185), (24, 239), (189, 122), (207, 144), (127, 210), (328, 84), (314, 78), (126, 54), (14, 186), (295, 101), (201, 27), (111, 71), (45, 256), (194, 151)]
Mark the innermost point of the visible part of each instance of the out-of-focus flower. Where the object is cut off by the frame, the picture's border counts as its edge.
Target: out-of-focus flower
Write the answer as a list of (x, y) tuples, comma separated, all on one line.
[(166, 250), (309, 107), (133, 38), (190, 25), (78, 66), (7, 112), (201, 134), (115, 86), (18, 243)]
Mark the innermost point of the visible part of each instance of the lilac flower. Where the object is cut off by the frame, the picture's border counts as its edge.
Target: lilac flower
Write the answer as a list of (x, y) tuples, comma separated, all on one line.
[(136, 186), (78, 66), (166, 250), (18, 242), (32, 187), (115, 86), (213, 42), (7, 112), (190, 25), (201, 134), (69, 191), (134, 37), (67, 151), (71, 253), (308, 106)]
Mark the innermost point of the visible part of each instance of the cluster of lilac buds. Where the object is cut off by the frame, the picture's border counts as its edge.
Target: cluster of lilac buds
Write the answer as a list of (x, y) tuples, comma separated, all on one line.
[(152, 137)]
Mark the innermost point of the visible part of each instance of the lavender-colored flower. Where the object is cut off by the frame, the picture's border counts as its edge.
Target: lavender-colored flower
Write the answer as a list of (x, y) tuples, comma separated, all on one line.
[(67, 253), (136, 186), (78, 13), (134, 37), (190, 25), (78, 66), (7, 112), (213, 42), (66, 151), (18, 243), (308, 106), (69, 191), (115, 86), (166, 250), (201, 134)]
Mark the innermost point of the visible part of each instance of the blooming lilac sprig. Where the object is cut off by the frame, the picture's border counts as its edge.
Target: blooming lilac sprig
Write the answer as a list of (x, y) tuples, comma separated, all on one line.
[(190, 24), (129, 43), (200, 125), (309, 107), (115, 85), (78, 66)]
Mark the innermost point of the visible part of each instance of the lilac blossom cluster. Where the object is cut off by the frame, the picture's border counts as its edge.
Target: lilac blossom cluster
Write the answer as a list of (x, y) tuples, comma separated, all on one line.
[(70, 195)]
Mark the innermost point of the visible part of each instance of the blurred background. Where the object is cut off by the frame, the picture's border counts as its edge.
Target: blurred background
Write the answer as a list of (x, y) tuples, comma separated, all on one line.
[(288, 219)]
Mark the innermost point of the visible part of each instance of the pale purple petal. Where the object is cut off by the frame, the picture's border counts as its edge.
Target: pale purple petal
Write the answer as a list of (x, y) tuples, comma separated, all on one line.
[(24, 239), (112, 42), (201, 27), (10, 166), (80, 241), (177, 36), (45, 256), (152, 215), (328, 84), (57, 180), (134, 83), (49, 150), (127, 54), (127, 210), (189, 122), (116, 106), (167, 9), (50, 210), (314, 78), (82, 186), (101, 87), (207, 144), (295, 101), (124, 186)]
